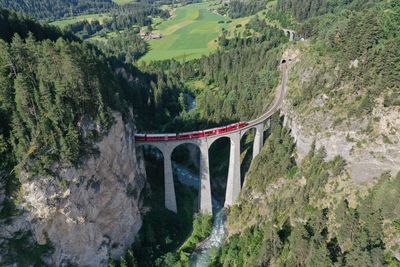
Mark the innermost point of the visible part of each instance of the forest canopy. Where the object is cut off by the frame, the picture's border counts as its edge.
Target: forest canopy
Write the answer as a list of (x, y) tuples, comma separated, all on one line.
[(54, 9)]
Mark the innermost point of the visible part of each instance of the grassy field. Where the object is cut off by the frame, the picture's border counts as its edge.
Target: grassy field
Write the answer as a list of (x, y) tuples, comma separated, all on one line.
[(65, 22), (190, 33)]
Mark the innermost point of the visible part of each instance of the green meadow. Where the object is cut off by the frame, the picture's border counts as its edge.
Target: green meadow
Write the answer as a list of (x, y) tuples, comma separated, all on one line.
[(190, 33)]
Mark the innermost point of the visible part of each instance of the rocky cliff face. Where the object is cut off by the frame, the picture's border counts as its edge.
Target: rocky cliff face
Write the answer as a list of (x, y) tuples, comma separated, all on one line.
[(365, 158), (370, 144), (91, 213)]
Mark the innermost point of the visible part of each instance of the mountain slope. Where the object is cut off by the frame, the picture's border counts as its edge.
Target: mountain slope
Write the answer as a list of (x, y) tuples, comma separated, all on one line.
[(71, 182), (50, 9), (310, 213), (347, 81), (332, 200)]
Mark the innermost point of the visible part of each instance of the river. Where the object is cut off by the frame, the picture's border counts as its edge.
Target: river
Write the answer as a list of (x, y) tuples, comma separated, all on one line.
[(200, 256), (190, 101)]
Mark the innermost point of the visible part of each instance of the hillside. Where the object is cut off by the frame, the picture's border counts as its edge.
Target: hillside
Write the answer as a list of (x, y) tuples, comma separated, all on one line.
[(310, 213), (50, 9), (66, 111), (347, 81), (318, 194)]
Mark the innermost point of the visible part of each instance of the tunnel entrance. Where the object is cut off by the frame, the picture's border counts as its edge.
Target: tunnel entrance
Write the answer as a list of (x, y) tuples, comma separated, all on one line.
[(283, 61)]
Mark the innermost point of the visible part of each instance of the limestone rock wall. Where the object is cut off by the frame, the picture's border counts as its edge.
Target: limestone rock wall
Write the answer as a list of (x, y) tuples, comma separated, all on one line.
[(365, 158), (91, 213), (367, 155)]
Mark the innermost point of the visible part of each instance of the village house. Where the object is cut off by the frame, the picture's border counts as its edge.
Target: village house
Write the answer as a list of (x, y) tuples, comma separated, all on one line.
[(149, 35)]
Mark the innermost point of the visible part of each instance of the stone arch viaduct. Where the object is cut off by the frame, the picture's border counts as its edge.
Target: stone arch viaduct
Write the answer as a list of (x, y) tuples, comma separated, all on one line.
[(204, 143), (289, 33)]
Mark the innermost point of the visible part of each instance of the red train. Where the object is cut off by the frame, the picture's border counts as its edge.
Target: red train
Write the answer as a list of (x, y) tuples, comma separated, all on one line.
[(190, 135)]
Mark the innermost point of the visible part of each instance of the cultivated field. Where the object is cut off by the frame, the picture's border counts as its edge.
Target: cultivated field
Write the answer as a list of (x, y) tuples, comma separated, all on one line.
[(190, 33)]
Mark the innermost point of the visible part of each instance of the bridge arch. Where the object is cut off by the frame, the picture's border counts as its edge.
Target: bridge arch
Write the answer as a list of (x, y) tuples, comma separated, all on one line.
[(185, 160), (247, 139), (219, 156), (188, 154), (247, 131), (212, 140), (169, 188), (148, 146), (185, 142), (252, 140)]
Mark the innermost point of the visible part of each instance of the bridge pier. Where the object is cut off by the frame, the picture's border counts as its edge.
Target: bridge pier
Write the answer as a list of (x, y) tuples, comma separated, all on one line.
[(258, 139), (169, 187), (233, 184), (205, 184)]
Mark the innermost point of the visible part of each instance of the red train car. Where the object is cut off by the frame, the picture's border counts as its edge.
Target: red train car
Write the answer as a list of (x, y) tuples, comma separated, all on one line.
[(243, 124), (140, 137), (222, 130), (213, 131), (172, 136), (225, 129), (232, 127), (191, 135), (160, 137)]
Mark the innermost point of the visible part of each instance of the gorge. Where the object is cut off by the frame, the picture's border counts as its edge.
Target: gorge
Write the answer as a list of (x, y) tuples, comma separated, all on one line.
[(252, 133)]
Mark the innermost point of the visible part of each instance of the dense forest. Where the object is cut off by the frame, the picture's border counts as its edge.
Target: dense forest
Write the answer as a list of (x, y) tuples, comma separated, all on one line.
[(256, 31), (303, 9), (15, 23), (126, 46), (359, 37), (241, 8), (45, 97), (54, 9)]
